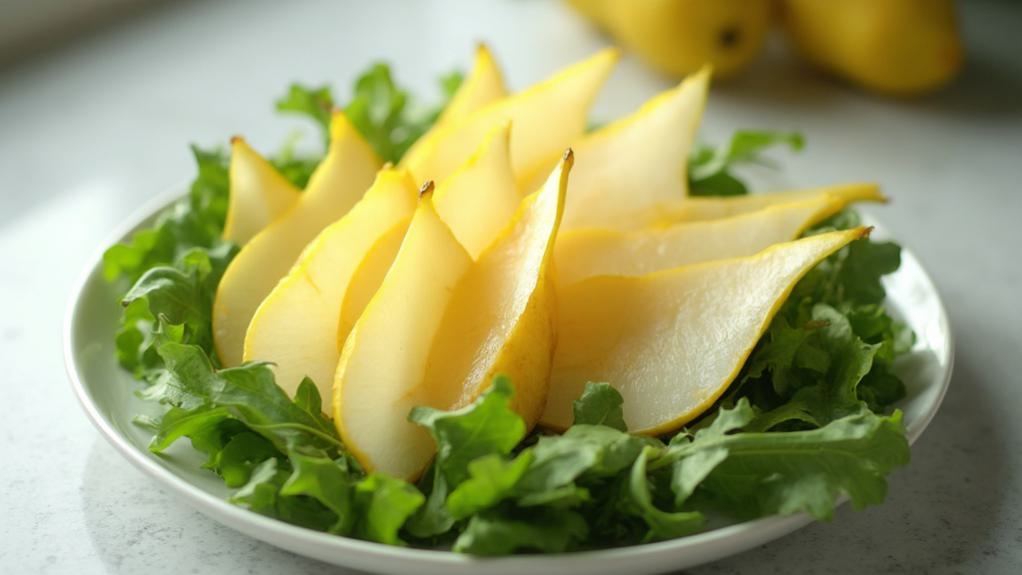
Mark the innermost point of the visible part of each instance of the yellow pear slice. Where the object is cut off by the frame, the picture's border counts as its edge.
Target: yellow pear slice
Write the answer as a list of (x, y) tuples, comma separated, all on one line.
[(478, 200), (383, 361), (671, 342), (588, 252), (340, 180), (258, 194), (296, 326), (710, 208), (500, 320), (639, 162), (441, 326), (547, 118), (483, 85)]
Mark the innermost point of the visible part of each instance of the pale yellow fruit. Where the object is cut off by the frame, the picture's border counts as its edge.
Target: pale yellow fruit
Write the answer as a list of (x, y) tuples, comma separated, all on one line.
[(671, 342), (547, 118), (500, 320), (588, 252), (296, 326), (902, 47), (478, 200), (340, 180), (677, 37), (440, 327), (639, 162), (380, 371), (258, 193), (710, 208), (483, 85)]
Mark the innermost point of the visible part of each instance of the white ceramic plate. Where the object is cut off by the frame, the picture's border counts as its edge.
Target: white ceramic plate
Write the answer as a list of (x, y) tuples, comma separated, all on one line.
[(104, 391)]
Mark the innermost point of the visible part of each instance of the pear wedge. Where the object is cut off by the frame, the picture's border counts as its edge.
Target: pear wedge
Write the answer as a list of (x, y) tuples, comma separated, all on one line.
[(483, 85), (671, 342), (478, 200), (588, 252), (547, 118), (638, 162), (340, 180), (258, 194), (441, 326), (710, 208), (296, 326), (379, 374)]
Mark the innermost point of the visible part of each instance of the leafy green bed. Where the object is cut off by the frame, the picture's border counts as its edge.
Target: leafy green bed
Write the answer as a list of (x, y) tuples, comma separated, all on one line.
[(804, 423)]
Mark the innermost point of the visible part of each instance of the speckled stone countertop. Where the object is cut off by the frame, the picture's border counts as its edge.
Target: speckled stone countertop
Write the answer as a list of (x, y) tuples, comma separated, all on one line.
[(89, 131)]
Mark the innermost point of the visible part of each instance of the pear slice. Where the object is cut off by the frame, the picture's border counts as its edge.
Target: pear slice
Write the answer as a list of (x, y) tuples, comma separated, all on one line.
[(710, 208), (296, 326), (441, 326), (547, 118), (381, 366), (638, 162), (340, 180), (483, 85), (671, 342), (588, 252), (258, 194), (478, 200)]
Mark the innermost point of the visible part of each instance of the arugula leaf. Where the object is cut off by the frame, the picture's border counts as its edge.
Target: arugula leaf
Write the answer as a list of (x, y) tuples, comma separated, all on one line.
[(491, 480), (710, 168), (494, 533), (787, 472), (382, 505), (662, 524), (600, 404), (314, 103)]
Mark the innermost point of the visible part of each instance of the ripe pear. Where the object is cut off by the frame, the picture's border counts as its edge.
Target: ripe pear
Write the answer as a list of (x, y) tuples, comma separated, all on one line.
[(258, 193), (672, 341), (679, 37), (900, 47), (338, 182), (693, 209), (639, 162), (483, 85), (441, 326), (585, 253), (547, 118), (296, 326)]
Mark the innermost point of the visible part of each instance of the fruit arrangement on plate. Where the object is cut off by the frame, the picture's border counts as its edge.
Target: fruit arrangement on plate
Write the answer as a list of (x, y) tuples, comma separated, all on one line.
[(490, 327)]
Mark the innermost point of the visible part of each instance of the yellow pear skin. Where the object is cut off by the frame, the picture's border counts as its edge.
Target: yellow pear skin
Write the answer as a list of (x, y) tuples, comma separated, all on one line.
[(678, 37), (258, 195), (672, 341), (898, 47), (296, 326), (338, 183)]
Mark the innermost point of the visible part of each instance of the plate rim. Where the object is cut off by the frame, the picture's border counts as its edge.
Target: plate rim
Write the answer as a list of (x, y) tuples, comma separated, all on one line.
[(363, 554)]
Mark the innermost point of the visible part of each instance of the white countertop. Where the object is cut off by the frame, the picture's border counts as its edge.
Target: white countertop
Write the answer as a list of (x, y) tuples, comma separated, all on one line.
[(91, 130)]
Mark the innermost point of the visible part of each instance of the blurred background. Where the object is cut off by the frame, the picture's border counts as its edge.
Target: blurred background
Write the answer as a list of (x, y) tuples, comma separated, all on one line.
[(99, 100)]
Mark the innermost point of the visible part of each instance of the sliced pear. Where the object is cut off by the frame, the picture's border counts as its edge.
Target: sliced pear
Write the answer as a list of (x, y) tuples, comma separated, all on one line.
[(639, 162), (296, 326), (547, 118), (440, 327), (367, 279), (483, 85), (710, 208), (258, 194), (588, 252), (671, 342), (501, 317), (478, 200), (382, 363), (340, 180)]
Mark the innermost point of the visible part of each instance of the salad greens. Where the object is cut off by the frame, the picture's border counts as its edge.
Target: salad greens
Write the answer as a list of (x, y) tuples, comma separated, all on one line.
[(804, 423)]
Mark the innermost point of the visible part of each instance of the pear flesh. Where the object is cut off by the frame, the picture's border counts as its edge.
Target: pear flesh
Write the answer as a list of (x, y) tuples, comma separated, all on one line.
[(671, 342), (340, 180), (296, 327), (585, 253), (441, 326), (258, 193)]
